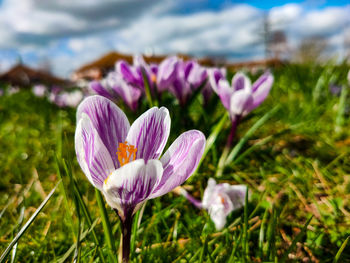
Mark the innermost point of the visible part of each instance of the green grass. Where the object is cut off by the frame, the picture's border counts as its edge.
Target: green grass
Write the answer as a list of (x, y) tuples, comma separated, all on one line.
[(297, 167)]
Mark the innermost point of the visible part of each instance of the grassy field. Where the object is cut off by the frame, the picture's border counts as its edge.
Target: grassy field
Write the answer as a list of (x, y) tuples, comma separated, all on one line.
[(296, 164)]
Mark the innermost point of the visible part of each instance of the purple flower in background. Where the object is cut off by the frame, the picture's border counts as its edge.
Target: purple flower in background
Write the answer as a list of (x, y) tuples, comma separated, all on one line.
[(71, 99), (167, 72), (241, 97), (127, 92), (103, 89), (1, 92), (39, 90), (219, 200), (180, 77), (12, 90), (335, 89), (123, 161), (214, 75), (133, 74)]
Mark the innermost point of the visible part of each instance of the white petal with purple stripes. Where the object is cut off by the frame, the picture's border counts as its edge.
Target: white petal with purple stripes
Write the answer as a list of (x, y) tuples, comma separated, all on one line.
[(132, 184), (109, 121), (180, 161), (92, 155), (149, 133)]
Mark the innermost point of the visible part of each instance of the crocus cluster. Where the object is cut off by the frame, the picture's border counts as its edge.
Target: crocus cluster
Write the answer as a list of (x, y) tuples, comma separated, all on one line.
[(182, 78), (179, 77), (127, 82), (219, 200), (63, 98), (122, 161)]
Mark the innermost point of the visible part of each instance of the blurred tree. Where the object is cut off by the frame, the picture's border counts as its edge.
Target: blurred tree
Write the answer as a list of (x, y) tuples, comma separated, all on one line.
[(311, 50), (347, 44), (278, 44)]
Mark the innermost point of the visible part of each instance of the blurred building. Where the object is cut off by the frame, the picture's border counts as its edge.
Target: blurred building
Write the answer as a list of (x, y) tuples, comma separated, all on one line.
[(24, 76)]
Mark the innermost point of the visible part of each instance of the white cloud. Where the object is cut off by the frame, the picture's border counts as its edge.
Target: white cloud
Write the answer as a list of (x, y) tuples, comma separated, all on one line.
[(323, 22), (281, 16), (71, 33)]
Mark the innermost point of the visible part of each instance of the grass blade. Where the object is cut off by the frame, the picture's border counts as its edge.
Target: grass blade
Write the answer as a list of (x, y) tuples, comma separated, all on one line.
[(233, 154), (245, 228), (27, 224), (339, 121), (212, 137), (73, 247), (341, 249), (107, 229), (296, 240)]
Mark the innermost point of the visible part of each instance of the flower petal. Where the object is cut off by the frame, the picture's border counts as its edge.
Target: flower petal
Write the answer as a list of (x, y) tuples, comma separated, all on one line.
[(149, 133), (214, 75), (127, 72), (180, 161), (92, 155), (167, 73), (240, 102), (219, 208), (240, 81), (100, 89), (132, 184), (225, 92), (109, 121), (127, 92), (261, 88), (197, 75), (237, 194)]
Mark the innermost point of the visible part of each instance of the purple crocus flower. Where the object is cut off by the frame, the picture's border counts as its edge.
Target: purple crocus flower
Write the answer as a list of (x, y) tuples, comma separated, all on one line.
[(39, 90), (219, 200), (133, 74), (103, 89), (180, 77), (167, 72), (241, 97), (127, 92), (123, 161), (129, 73), (214, 75)]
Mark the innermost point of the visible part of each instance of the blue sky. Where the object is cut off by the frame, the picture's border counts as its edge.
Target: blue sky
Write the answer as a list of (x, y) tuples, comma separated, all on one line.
[(66, 34)]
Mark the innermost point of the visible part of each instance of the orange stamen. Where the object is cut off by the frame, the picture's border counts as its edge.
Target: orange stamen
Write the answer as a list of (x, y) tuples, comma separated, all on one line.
[(154, 78), (126, 153)]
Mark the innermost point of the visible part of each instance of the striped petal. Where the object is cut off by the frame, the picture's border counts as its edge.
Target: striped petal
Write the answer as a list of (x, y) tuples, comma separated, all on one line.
[(240, 81), (131, 185), (92, 155), (261, 88), (109, 121), (149, 133), (180, 161), (127, 92), (240, 101)]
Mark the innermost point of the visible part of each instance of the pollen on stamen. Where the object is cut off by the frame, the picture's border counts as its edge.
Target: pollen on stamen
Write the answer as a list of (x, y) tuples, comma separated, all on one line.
[(126, 153), (154, 78)]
